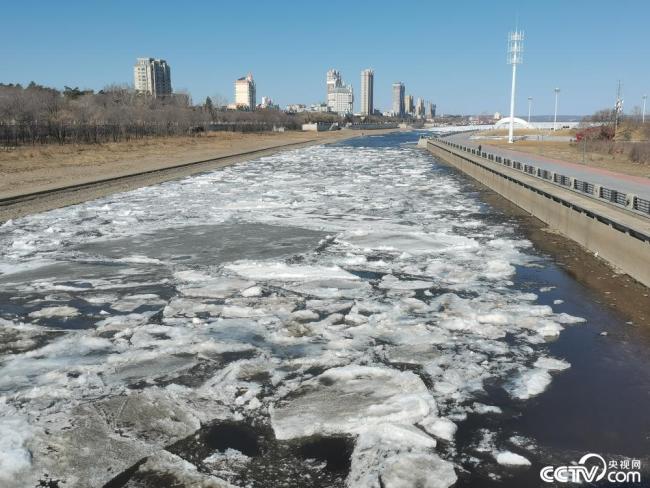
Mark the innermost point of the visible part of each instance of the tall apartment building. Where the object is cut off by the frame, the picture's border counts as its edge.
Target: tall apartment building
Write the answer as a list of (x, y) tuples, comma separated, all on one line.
[(409, 107), (367, 88), (419, 108), (398, 99), (432, 111), (152, 76), (340, 98), (245, 93)]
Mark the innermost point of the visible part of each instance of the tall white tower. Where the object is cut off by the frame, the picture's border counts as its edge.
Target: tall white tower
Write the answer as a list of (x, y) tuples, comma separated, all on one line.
[(515, 57)]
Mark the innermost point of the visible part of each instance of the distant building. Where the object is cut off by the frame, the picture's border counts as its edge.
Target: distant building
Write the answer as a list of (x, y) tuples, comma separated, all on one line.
[(245, 94), (319, 107), (419, 108), (497, 116), (333, 81), (152, 76), (432, 110), (367, 87), (267, 103), (398, 99), (296, 108), (409, 107), (340, 98)]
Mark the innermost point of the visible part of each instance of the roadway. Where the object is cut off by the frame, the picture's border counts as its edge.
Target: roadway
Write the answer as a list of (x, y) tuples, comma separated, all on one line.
[(637, 185)]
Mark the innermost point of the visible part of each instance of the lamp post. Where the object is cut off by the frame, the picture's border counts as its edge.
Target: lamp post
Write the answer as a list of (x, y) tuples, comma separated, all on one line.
[(530, 102), (645, 97), (515, 57), (557, 92)]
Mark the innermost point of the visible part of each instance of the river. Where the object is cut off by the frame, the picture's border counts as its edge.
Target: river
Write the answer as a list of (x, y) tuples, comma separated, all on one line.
[(344, 315)]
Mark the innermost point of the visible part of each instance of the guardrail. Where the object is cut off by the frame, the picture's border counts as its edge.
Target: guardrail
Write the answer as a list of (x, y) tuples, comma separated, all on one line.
[(620, 199)]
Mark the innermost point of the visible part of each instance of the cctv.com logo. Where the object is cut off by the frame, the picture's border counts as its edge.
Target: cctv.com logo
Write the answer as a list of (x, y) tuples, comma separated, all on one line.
[(591, 468)]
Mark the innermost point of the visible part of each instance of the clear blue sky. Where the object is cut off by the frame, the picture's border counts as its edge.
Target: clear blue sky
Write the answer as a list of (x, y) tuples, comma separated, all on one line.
[(452, 53)]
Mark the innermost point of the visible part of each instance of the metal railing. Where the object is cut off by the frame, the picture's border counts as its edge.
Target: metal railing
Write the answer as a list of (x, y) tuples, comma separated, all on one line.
[(629, 201)]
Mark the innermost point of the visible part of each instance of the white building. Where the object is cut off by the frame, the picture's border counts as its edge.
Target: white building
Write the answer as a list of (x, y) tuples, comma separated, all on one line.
[(367, 87), (245, 93), (398, 99), (152, 76), (340, 98), (333, 81)]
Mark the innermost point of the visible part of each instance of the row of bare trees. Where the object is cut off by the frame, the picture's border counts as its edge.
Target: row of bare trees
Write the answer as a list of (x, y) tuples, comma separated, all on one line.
[(36, 114), (39, 115)]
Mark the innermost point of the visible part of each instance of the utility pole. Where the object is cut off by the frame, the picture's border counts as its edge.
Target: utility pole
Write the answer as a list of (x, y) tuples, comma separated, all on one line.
[(618, 108), (515, 57), (530, 102), (557, 92)]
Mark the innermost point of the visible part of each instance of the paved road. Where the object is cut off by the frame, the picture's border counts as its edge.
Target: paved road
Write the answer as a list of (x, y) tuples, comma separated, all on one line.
[(637, 185)]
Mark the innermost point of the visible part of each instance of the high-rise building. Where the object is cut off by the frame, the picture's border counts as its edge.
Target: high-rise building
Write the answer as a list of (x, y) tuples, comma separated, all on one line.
[(333, 81), (419, 108), (398, 99), (367, 86), (245, 93), (409, 107), (432, 110), (340, 98), (152, 76)]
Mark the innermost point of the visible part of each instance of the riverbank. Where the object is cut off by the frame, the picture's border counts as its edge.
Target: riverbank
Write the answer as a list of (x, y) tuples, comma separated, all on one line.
[(27, 170)]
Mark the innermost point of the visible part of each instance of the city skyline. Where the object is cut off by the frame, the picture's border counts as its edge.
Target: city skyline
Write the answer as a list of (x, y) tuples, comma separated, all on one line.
[(468, 75)]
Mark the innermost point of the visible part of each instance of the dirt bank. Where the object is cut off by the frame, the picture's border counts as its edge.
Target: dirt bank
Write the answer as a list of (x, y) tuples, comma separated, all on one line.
[(32, 169)]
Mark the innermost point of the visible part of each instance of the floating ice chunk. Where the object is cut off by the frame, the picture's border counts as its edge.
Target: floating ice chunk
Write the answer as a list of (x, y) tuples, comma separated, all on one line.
[(565, 318), (217, 288), (551, 364), (49, 312), (421, 470), (390, 282), (253, 291), (481, 408), (441, 427), (280, 271), (15, 457), (373, 395), (558, 302), (508, 458), (530, 383), (304, 315), (400, 456)]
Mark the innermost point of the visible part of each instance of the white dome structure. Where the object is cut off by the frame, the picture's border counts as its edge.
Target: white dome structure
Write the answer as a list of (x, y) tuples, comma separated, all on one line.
[(519, 123)]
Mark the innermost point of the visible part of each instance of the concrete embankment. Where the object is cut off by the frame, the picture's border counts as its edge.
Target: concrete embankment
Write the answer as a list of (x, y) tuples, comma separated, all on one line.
[(614, 233)]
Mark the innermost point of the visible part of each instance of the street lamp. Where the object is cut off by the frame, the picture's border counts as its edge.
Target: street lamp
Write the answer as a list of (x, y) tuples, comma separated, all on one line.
[(530, 102), (515, 57), (557, 92), (645, 97)]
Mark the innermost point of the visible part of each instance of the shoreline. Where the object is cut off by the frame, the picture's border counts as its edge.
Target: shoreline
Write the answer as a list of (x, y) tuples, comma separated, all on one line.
[(34, 197)]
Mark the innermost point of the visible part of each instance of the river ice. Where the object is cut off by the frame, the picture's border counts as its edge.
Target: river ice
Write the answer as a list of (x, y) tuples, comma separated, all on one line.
[(352, 291)]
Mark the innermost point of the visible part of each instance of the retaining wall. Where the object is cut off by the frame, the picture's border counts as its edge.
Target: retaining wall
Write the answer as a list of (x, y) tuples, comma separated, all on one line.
[(616, 235)]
